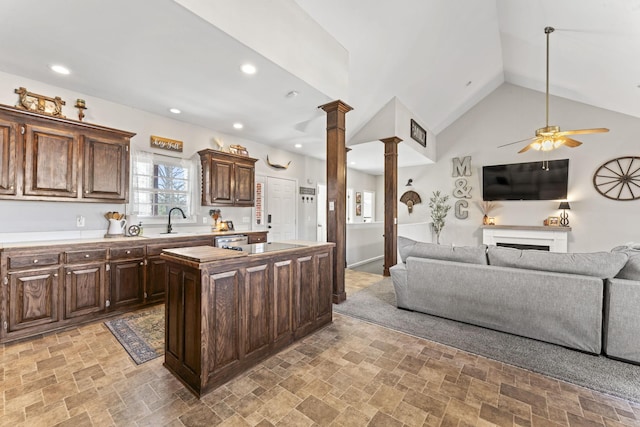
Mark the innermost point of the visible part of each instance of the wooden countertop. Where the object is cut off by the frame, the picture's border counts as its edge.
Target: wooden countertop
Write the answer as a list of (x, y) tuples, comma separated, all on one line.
[(202, 254)]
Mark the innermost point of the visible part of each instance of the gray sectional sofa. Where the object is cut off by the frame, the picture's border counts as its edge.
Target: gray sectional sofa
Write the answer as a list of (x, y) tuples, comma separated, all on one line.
[(589, 302)]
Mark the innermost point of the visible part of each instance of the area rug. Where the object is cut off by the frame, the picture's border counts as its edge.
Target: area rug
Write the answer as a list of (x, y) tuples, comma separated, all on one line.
[(140, 333), (376, 304)]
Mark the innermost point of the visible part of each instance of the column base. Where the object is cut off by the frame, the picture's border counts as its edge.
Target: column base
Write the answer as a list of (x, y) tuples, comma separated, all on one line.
[(338, 298)]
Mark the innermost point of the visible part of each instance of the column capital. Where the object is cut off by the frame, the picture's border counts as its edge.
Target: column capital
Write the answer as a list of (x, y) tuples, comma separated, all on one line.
[(392, 139), (336, 105)]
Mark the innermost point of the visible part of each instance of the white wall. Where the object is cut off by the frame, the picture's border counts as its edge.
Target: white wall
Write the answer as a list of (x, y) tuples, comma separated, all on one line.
[(30, 216), (513, 113)]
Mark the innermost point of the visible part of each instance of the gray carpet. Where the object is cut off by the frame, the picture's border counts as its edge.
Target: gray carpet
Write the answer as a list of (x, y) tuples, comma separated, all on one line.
[(376, 304)]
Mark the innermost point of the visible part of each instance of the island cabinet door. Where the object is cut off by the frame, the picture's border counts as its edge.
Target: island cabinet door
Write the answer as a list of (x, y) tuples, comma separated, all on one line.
[(183, 341), (305, 295), (222, 329), (282, 307), (324, 287), (254, 298)]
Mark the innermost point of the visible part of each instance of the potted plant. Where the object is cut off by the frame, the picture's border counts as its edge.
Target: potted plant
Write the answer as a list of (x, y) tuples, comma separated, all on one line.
[(439, 210)]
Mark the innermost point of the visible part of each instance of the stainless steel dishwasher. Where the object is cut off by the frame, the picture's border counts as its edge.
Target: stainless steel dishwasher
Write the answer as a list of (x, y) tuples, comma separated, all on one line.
[(229, 241)]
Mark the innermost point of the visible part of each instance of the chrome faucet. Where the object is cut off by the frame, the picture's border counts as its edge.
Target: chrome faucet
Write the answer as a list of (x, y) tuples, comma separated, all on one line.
[(169, 224)]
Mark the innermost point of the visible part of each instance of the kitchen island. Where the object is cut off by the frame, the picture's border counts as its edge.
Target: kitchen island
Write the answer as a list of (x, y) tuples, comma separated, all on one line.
[(226, 310)]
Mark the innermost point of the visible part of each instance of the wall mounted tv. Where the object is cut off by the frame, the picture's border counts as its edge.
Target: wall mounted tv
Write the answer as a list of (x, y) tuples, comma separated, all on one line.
[(526, 181)]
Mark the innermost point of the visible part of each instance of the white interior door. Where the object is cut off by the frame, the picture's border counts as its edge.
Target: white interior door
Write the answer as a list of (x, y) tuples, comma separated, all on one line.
[(322, 213), (281, 209)]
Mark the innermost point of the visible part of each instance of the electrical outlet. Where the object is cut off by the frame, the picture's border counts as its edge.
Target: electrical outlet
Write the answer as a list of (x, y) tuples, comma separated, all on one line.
[(79, 221)]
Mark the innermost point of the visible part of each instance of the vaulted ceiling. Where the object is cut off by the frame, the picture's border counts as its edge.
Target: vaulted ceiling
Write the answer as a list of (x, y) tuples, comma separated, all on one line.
[(439, 57)]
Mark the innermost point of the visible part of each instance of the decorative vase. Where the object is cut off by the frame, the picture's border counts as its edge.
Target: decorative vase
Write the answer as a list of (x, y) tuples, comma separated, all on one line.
[(485, 220)]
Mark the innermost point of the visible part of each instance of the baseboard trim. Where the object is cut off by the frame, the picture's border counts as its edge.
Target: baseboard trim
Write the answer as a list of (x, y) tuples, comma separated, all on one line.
[(365, 261)]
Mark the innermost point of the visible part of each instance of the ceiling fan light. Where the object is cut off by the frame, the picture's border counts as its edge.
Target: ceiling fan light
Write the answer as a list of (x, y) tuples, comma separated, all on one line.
[(557, 143), (536, 146), (547, 145)]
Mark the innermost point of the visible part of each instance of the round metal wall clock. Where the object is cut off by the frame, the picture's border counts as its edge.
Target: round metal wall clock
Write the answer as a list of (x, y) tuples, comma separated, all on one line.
[(619, 179)]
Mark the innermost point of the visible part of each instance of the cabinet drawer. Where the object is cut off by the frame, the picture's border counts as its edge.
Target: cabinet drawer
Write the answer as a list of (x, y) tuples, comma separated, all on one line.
[(123, 253), (84, 256), (257, 238), (32, 260)]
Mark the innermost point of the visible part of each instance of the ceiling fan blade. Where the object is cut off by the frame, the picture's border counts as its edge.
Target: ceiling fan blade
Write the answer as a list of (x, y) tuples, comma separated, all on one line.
[(582, 131), (526, 148), (516, 142), (571, 142)]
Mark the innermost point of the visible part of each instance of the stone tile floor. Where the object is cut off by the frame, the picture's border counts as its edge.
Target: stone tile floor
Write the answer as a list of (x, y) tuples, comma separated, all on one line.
[(350, 373)]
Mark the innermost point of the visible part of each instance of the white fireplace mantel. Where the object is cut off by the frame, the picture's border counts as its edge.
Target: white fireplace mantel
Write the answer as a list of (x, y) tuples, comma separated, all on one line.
[(553, 237)]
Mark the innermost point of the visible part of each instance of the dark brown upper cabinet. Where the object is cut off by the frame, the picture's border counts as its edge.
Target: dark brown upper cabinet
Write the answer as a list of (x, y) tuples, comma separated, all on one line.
[(227, 179), (8, 157), (51, 158)]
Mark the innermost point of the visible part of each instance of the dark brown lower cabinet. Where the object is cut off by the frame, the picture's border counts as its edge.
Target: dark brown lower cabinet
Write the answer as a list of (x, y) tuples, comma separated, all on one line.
[(33, 299), (156, 279), (224, 316), (84, 289), (127, 283)]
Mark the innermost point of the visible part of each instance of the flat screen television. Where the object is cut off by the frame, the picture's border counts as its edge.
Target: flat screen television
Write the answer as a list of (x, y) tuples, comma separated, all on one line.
[(526, 181)]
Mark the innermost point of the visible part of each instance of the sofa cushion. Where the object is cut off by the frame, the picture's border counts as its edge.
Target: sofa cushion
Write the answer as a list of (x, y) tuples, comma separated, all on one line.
[(597, 264), (405, 244), (631, 269), (466, 254)]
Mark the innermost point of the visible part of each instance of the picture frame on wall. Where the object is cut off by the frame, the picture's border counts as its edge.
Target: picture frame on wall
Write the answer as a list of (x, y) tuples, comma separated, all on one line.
[(358, 209), (418, 133), (358, 197), (553, 221)]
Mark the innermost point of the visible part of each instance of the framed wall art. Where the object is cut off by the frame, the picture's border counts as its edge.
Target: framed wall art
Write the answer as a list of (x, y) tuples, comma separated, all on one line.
[(418, 133)]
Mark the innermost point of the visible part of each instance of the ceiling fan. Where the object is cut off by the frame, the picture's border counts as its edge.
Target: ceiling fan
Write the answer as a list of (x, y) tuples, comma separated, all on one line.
[(551, 137)]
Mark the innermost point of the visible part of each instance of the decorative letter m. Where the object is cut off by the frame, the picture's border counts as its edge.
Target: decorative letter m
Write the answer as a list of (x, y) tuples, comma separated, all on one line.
[(461, 168)]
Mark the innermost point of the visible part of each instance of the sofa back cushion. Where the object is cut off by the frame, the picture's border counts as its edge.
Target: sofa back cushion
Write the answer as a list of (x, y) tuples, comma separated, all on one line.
[(405, 245), (466, 254), (597, 264), (631, 269)]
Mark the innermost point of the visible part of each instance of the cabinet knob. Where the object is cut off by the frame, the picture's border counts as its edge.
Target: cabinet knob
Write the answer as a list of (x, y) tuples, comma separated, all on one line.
[(55, 275), (86, 255), (68, 273), (86, 191), (11, 188), (35, 261), (128, 252), (141, 263)]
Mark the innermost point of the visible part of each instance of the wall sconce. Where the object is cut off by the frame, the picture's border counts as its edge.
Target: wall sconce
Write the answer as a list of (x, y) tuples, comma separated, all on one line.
[(492, 221), (564, 216)]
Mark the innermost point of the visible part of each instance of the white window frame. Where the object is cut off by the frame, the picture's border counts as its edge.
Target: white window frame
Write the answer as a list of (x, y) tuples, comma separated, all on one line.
[(143, 167)]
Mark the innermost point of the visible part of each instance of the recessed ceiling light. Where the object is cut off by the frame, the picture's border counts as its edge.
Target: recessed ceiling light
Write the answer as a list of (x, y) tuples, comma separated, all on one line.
[(248, 69), (298, 145), (238, 125), (60, 69), (175, 110), (292, 94)]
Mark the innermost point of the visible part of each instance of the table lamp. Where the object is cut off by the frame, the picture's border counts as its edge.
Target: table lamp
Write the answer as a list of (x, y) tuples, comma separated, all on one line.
[(564, 216)]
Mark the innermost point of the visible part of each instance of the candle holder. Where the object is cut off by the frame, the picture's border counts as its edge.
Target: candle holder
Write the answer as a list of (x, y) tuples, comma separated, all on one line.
[(80, 105)]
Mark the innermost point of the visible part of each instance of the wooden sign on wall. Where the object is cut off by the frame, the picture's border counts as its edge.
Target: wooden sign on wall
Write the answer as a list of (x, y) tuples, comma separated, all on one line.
[(166, 143)]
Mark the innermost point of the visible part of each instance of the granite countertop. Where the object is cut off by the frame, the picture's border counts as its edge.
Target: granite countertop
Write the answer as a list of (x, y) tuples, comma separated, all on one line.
[(147, 237)]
